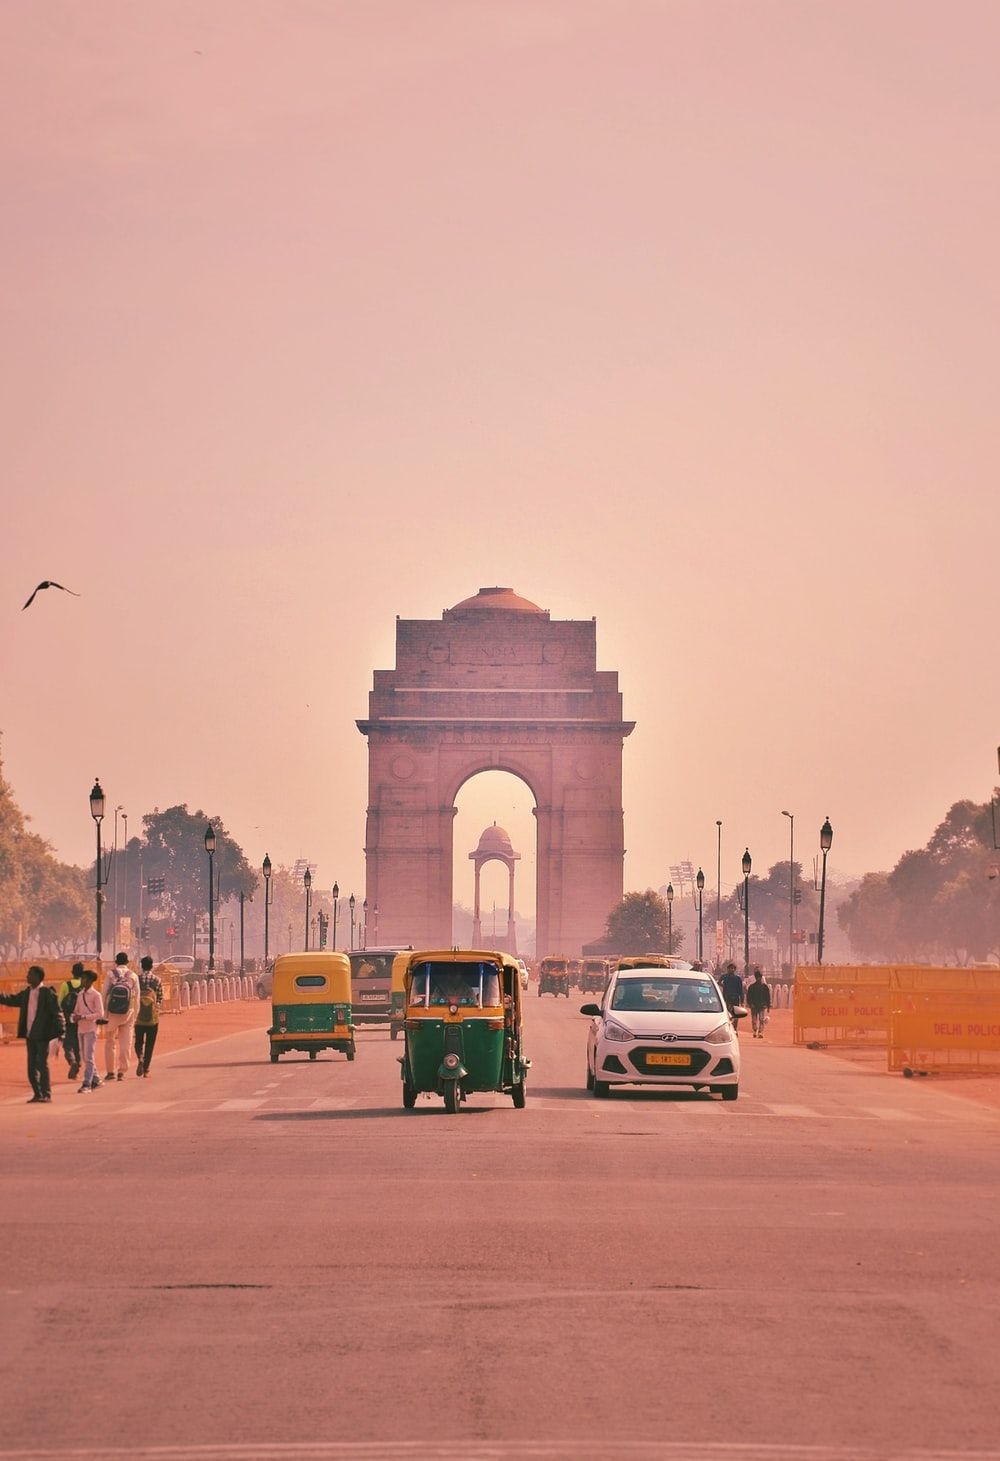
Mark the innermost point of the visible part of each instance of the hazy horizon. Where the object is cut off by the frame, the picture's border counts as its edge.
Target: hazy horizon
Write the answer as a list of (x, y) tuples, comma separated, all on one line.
[(679, 316)]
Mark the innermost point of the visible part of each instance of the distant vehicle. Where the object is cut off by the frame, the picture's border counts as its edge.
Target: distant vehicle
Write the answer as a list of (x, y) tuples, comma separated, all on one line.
[(265, 981), (522, 966), (371, 985), (664, 1027), (183, 963)]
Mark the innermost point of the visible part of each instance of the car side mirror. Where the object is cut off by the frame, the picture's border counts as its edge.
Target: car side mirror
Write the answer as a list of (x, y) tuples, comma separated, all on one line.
[(590, 1009), (740, 1012)]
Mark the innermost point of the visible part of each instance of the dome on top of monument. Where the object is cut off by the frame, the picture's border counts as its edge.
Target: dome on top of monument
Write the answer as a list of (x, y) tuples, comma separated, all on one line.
[(496, 601), (495, 839)]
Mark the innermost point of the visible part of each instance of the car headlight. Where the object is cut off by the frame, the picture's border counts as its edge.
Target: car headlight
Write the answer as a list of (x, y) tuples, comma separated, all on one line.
[(616, 1032), (721, 1035)]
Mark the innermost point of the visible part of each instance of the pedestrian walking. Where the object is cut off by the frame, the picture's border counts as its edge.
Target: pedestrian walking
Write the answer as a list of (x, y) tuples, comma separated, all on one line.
[(147, 1021), (68, 993), (732, 989), (40, 1021), (87, 1014), (758, 997), (121, 1005)]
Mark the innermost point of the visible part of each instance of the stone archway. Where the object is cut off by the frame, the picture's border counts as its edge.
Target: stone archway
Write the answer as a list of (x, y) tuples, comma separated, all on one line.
[(495, 685)]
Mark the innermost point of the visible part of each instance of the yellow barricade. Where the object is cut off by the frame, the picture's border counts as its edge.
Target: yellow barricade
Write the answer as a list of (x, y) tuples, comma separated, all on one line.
[(841, 1004), (14, 976), (945, 1021)]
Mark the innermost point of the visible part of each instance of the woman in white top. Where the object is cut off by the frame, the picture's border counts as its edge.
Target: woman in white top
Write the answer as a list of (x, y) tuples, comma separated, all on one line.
[(87, 1015)]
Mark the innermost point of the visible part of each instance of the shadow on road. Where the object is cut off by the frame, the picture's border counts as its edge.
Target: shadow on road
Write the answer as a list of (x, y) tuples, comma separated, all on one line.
[(419, 1112)]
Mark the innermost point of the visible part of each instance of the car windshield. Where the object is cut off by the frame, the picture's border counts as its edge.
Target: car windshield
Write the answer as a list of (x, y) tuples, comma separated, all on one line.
[(661, 992), (471, 986)]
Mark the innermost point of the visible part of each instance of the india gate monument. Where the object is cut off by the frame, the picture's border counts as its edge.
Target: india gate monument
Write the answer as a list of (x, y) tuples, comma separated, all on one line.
[(495, 684)]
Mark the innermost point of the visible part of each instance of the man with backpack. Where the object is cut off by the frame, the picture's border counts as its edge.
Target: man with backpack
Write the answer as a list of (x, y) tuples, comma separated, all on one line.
[(758, 998), (69, 992), (147, 1021), (121, 1005)]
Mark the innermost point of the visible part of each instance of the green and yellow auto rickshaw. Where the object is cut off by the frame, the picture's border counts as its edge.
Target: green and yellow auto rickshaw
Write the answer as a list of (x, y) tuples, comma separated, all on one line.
[(553, 977), (311, 1004), (462, 1027), (397, 995)]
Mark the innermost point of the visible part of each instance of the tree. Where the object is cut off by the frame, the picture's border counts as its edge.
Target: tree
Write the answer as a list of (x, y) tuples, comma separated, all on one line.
[(639, 925), (174, 849)]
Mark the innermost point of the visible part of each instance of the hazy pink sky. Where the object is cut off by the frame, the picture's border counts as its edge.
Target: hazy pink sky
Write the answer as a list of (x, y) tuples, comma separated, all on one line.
[(679, 315)]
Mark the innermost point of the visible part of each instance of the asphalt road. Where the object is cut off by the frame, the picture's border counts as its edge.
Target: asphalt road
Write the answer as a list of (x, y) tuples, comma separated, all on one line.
[(240, 1260)]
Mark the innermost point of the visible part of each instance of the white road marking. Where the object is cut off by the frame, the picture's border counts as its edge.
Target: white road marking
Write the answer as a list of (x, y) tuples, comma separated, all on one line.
[(782, 1110), (889, 1113), (247, 1105)]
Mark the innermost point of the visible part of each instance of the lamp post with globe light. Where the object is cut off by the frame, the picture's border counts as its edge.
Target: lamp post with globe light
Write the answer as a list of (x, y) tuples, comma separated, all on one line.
[(210, 849), (336, 900), (350, 903), (747, 864), (265, 868), (699, 883), (97, 812), (670, 918), (307, 882), (825, 843)]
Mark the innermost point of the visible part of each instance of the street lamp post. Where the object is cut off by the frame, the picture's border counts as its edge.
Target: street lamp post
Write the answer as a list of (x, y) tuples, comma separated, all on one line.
[(364, 924), (336, 900), (670, 918), (375, 914), (243, 899), (210, 849), (747, 864), (97, 812), (825, 843), (265, 868), (699, 883), (307, 879), (350, 904), (718, 895), (791, 887)]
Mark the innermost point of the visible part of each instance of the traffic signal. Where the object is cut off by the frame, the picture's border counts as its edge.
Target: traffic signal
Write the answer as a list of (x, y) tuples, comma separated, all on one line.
[(323, 922), (154, 886), (144, 931), (171, 933), (797, 895)]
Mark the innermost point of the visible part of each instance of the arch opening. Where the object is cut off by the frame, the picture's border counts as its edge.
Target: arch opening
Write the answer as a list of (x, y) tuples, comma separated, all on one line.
[(489, 803)]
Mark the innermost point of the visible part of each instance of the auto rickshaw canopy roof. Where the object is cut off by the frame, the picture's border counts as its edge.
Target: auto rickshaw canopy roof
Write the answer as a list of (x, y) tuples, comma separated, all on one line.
[(315, 978)]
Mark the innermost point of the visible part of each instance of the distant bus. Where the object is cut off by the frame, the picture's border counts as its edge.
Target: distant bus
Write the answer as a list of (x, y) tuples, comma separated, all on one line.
[(371, 984)]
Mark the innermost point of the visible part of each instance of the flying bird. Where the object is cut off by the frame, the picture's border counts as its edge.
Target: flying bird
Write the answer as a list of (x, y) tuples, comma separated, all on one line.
[(48, 583)]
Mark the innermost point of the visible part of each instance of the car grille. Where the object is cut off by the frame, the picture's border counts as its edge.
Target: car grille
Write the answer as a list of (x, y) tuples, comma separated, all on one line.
[(697, 1060)]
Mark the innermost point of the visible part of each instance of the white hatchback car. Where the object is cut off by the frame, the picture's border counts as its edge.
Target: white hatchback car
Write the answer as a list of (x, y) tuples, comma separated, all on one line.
[(662, 1027)]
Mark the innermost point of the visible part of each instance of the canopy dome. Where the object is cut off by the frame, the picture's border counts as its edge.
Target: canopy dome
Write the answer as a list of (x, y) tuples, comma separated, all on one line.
[(496, 601), (495, 842)]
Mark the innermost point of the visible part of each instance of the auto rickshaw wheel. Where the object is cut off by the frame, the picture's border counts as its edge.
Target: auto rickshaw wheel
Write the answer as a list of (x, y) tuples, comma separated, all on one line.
[(409, 1096), (274, 1057), (518, 1096), (452, 1096), (350, 1052), (393, 1032), (312, 1054)]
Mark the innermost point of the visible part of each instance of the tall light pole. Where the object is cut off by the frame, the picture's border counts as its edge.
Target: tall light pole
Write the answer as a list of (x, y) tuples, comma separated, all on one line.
[(718, 896), (825, 843), (747, 864), (670, 918), (375, 913), (336, 900), (307, 881), (791, 887), (243, 899), (97, 812), (210, 849), (265, 868), (699, 883), (350, 904), (364, 924)]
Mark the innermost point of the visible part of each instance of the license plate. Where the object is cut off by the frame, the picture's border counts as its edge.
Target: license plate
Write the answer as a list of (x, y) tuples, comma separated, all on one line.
[(668, 1060), (374, 998)]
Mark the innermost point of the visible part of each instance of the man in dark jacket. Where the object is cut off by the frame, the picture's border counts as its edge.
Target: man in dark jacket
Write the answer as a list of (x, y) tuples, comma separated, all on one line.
[(732, 987), (39, 1022)]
